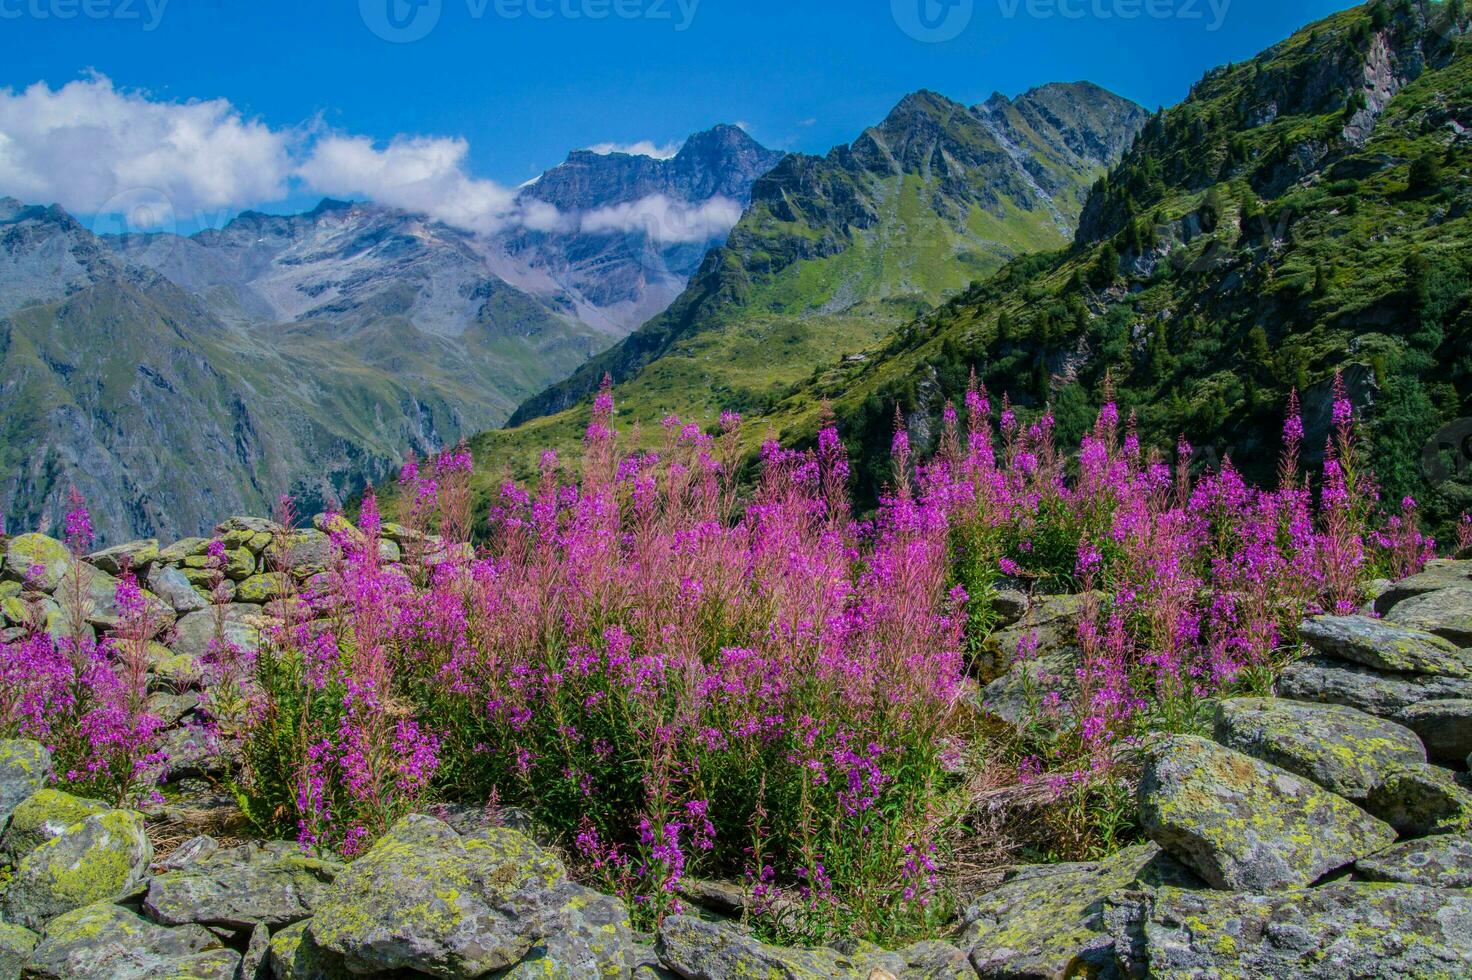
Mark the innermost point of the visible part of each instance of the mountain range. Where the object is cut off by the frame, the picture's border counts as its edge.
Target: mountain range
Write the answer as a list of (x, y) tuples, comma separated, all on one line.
[(1300, 215), (171, 377)]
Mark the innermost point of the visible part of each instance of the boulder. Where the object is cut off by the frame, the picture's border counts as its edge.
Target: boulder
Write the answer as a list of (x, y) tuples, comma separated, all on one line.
[(1443, 861), (253, 964), (1344, 929), (242, 624), (174, 587), (1438, 574), (175, 553), (1395, 646), (43, 816), (1243, 824), (294, 955), (427, 899), (585, 934), (389, 551), (1041, 688), (261, 589), (240, 563), (1420, 800), (708, 950), (1045, 625), (107, 942), (16, 945), (37, 559), (1050, 916), (1327, 680), (135, 555), (177, 671), (1444, 725), (100, 859), (1445, 612), (25, 766), (302, 552), (252, 525), (272, 884), (1343, 750)]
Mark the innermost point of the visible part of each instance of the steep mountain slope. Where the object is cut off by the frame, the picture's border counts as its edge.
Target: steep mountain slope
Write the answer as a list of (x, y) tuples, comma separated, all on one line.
[(834, 251), (1304, 212), (128, 386), (174, 378)]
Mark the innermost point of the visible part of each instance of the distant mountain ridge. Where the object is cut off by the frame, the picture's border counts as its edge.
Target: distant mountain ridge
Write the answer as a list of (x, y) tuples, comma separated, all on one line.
[(834, 251), (172, 378)]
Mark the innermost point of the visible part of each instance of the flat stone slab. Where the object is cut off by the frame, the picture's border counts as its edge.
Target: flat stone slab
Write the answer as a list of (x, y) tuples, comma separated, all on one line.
[(1343, 929), (1329, 680), (1438, 574), (1343, 750), (1442, 861), (1398, 646), (1445, 612), (1244, 825)]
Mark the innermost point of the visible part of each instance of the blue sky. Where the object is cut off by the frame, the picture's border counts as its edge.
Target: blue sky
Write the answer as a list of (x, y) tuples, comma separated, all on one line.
[(514, 84)]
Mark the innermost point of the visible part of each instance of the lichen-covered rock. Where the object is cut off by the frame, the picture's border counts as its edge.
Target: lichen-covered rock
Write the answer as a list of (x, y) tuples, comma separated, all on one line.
[(176, 553), (1445, 612), (427, 899), (241, 626), (43, 816), (1438, 574), (174, 587), (176, 671), (240, 563), (1444, 725), (107, 942), (273, 884), (1046, 624), (1242, 824), (585, 934), (1049, 916), (135, 555), (1420, 800), (16, 945), (38, 559), (1327, 680), (261, 589), (1442, 861), (1396, 646), (302, 552), (702, 950), (254, 962), (295, 955), (1344, 929), (1036, 689), (1343, 750), (25, 766), (102, 858)]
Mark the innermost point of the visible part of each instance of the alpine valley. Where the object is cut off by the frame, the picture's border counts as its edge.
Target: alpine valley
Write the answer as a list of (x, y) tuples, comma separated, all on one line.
[(175, 377)]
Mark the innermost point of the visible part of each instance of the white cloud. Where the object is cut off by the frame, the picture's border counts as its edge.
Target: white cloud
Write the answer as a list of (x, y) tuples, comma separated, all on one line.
[(416, 173), (89, 147), (97, 150), (666, 221), (643, 148)]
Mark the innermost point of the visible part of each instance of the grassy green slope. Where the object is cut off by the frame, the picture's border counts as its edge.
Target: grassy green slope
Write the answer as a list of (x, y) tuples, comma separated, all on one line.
[(835, 252), (1285, 222)]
